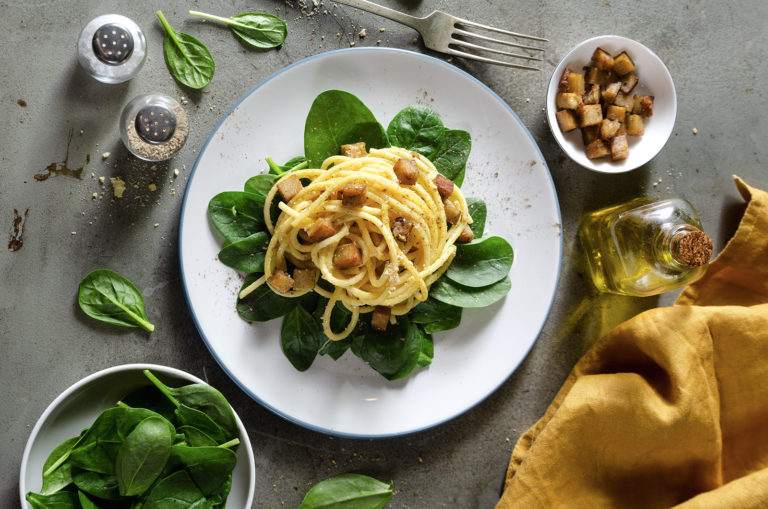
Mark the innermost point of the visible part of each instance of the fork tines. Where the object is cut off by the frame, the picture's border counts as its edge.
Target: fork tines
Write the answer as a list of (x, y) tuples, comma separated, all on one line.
[(460, 45)]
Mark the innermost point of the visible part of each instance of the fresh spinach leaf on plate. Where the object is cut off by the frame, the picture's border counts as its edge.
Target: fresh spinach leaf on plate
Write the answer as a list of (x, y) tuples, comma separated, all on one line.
[(348, 491), (57, 470), (255, 29), (262, 304), (176, 490), (337, 118), (453, 293), (209, 467), (143, 455), (435, 316), (188, 59), (109, 297), (394, 352), (103, 486), (301, 336), (478, 212), (60, 500), (417, 128), (237, 214), (246, 254), (452, 154), (481, 262)]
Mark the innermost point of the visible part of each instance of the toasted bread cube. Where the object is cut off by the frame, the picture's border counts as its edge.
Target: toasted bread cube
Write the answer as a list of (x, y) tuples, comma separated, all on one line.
[(619, 147), (347, 256), (602, 60), (353, 193), (614, 112), (609, 128), (444, 186), (289, 187), (567, 101), (624, 101), (380, 318), (562, 85), (623, 64), (466, 235), (304, 279), (628, 83), (590, 114), (597, 149), (567, 120), (401, 228), (592, 96), (635, 125), (406, 170), (576, 83), (594, 76), (590, 134), (610, 92), (354, 149), (452, 212), (280, 281), (643, 105), (320, 230)]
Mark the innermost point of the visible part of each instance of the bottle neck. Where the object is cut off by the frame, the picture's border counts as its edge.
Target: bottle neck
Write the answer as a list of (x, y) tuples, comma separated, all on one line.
[(686, 246)]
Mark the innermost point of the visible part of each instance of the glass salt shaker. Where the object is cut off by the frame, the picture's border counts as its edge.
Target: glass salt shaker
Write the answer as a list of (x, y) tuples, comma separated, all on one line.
[(154, 127), (645, 246), (112, 48)]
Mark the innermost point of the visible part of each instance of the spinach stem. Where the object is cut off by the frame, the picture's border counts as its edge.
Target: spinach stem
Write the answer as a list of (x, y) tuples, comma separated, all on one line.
[(170, 31), (231, 443), (160, 385), (57, 463), (226, 21), (274, 166)]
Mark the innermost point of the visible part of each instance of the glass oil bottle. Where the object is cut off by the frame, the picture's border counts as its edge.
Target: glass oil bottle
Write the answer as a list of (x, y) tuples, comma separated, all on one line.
[(645, 246)]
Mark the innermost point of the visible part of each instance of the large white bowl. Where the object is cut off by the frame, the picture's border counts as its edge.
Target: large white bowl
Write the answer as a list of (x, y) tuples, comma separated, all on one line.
[(654, 79), (77, 407)]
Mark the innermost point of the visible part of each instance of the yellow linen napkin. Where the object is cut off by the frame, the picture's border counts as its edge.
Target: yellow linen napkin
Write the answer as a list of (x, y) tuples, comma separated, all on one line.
[(669, 409)]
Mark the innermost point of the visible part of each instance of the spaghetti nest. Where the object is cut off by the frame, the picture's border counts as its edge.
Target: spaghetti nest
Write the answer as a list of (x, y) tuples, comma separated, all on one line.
[(382, 249)]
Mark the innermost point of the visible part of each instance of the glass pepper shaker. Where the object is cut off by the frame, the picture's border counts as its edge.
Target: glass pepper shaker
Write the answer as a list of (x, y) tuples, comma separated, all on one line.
[(154, 127), (644, 246), (112, 48)]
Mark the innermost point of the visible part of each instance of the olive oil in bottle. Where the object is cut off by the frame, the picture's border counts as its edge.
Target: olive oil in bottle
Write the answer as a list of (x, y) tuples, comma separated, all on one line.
[(644, 246)]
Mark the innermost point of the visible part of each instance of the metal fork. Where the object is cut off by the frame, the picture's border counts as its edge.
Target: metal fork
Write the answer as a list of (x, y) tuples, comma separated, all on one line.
[(445, 33)]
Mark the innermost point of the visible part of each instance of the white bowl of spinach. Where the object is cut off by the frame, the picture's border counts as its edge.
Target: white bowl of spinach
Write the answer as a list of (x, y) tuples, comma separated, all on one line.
[(83, 448)]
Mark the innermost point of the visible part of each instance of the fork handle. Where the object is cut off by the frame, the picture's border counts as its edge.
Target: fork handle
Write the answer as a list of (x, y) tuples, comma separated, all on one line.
[(386, 12)]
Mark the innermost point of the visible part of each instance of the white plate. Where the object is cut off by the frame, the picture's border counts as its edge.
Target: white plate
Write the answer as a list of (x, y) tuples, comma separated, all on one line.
[(654, 79), (77, 407), (506, 169)]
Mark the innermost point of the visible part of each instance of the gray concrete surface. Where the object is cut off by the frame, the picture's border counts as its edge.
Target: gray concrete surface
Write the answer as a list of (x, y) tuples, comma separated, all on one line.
[(715, 51)]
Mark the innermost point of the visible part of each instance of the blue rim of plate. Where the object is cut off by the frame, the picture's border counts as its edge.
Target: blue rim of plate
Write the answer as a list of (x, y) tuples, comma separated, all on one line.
[(223, 366)]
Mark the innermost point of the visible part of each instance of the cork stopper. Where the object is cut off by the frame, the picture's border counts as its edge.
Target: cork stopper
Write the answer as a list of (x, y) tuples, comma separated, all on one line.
[(692, 248)]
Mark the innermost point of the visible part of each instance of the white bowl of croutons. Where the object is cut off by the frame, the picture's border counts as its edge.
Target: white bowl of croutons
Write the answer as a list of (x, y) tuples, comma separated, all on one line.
[(611, 104)]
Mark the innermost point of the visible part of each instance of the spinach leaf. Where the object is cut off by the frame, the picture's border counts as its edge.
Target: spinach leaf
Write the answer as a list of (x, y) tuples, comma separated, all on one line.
[(188, 59), (481, 262), (201, 397), (109, 297), (295, 163), (435, 316), (256, 29), (427, 349), (340, 317), (142, 456), (209, 467), (97, 449), (301, 336), (451, 156), (455, 294), (60, 500), (188, 416), (177, 491), (337, 118), (260, 185), (348, 491), (85, 502), (57, 470), (99, 485), (246, 254), (262, 304), (196, 438), (417, 127), (478, 212), (236, 214), (459, 180), (394, 352), (219, 497)]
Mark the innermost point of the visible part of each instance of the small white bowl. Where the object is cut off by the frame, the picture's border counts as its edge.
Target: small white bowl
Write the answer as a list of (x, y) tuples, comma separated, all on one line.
[(77, 407), (654, 79)]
